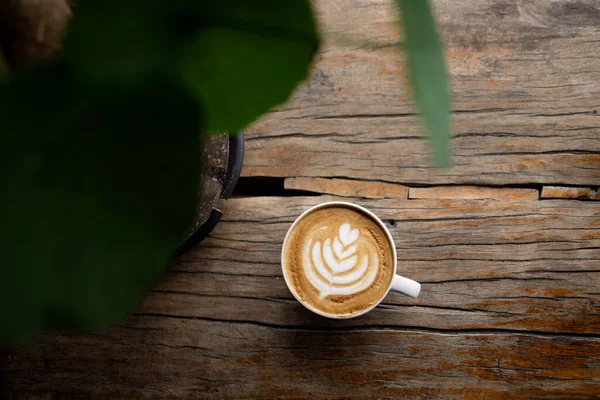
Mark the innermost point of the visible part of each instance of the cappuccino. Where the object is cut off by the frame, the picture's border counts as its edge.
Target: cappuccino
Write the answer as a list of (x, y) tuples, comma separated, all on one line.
[(338, 261)]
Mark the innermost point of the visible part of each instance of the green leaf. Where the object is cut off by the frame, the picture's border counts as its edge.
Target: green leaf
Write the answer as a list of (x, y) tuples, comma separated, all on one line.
[(114, 40), (4, 72), (427, 72), (98, 186), (244, 58), (239, 58), (99, 152)]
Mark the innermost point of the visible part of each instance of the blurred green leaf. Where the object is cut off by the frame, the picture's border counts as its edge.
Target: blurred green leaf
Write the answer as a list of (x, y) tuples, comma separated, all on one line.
[(98, 185), (4, 71), (113, 40), (239, 58), (426, 67), (99, 152), (246, 57)]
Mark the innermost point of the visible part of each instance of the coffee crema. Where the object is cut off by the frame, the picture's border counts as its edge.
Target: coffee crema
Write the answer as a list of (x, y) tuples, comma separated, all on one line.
[(338, 261)]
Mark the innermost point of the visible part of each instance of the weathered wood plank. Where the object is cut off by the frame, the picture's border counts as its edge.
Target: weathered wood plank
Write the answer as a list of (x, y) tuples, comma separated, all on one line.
[(524, 81), (484, 264), (473, 193), (348, 188), (560, 192), (510, 306), (165, 356)]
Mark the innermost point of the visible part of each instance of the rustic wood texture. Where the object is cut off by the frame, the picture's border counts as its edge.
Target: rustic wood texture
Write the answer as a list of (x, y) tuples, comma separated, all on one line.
[(525, 82), (473, 193), (559, 192), (348, 188), (510, 306), (507, 252)]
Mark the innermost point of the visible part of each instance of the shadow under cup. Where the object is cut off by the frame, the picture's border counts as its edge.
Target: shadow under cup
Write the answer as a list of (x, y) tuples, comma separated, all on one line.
[(339, 260)]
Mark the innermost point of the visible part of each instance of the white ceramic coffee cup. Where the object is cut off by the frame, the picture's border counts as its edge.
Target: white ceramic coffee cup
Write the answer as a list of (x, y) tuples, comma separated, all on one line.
[(399, 283)]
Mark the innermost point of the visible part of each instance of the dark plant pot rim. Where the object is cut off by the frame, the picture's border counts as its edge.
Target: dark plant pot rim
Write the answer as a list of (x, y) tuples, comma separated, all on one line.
[(234, 168)]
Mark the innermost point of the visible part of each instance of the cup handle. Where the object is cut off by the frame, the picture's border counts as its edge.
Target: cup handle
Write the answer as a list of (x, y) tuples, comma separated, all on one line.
[(406, 286)]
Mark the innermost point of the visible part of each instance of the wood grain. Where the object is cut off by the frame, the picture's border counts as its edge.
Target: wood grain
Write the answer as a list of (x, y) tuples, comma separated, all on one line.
[(167, 357), (348, 188), (474, 192), (529, 266), (510, 307), (559, 192), (524, 80)]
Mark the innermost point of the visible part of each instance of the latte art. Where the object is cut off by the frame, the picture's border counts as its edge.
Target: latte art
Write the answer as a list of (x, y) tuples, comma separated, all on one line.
[(338, 267)]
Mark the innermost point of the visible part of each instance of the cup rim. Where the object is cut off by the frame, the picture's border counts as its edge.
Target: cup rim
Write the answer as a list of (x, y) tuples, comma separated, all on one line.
[(360, 209)]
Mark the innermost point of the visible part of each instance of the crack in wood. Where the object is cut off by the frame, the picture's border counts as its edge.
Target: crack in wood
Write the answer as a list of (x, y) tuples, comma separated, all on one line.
[(392, 306), (264, 186), (381, 327), (226, 273), (229, 296)]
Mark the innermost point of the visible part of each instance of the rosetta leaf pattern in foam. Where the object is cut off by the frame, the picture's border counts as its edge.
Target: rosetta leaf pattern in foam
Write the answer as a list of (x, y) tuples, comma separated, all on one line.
[(334, 267)]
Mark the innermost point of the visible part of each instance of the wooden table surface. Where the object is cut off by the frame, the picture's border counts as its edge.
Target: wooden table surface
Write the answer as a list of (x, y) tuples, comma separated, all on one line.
[(506, 242)]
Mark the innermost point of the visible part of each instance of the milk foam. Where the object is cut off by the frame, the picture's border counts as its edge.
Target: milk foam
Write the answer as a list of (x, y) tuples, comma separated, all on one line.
[(343, 265)]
